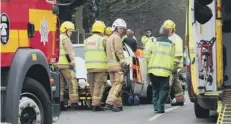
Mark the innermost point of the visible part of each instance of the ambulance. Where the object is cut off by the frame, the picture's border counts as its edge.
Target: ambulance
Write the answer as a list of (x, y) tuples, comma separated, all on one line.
[(208, 38)]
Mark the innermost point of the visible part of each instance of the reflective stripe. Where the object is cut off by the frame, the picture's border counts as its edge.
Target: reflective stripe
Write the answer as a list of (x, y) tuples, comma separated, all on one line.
[(95, 61), (148, 51), (163, 53), (98, 50), (177, 52), (158, 67)]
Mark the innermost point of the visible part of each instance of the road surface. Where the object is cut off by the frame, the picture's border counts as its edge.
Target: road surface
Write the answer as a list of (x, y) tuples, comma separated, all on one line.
[(142, 114)]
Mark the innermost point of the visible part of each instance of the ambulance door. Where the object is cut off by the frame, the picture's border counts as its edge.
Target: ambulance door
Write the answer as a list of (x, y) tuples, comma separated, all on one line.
[(203, 23)]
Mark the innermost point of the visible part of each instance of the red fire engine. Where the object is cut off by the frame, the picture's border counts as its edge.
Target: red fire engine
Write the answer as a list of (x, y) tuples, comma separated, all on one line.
[(29, 46)]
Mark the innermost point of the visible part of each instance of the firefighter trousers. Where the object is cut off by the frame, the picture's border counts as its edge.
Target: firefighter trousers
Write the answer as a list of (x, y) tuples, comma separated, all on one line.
[(68, 77), (97, 82), (160, 91), (176, 85), (115, 93)]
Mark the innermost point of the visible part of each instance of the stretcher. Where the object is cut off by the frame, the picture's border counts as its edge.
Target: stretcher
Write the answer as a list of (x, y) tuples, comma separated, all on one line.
[(83, 86)]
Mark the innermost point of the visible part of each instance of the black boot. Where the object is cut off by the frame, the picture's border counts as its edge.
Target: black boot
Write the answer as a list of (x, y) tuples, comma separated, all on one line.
[(62, 107), (74, 106), (108, 107), (117, 109), (97, 108), (160, 112)]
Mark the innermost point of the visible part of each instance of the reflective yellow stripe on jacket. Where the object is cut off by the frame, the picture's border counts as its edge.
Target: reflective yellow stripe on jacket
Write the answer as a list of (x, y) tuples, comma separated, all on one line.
[(95, 56), (62, 56), (160, 55)]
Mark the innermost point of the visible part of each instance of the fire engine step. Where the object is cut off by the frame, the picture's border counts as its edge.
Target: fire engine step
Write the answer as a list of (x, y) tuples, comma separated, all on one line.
[(225, 114)]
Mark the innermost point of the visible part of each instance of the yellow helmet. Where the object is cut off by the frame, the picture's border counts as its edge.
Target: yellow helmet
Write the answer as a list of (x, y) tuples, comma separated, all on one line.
[(108, 31), (169, 24), (98, 26), (67, 25)]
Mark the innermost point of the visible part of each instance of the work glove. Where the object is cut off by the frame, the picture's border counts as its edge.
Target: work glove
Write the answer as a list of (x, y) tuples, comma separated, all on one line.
[(72, 64), (74, 69)]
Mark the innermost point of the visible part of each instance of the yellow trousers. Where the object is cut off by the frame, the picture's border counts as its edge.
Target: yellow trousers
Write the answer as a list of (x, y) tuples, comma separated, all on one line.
[(115, 93), (68, 76), (97, 82)]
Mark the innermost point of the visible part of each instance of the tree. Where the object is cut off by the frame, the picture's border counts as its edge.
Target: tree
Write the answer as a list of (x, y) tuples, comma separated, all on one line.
[(142, 14)]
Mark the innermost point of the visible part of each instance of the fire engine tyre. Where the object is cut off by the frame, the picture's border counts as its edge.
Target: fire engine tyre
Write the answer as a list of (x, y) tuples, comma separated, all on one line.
[(35, 105), (200, 112)]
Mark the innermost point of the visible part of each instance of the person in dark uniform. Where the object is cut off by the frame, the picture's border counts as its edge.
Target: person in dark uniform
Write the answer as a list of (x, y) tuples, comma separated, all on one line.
[(131, 41)]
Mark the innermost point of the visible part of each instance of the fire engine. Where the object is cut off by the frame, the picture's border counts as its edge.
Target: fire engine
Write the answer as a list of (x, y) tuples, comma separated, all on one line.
[(208, 35), (29, 46)]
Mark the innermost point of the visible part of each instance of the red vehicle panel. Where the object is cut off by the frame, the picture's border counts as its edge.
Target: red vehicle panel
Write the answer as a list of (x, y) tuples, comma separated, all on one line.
[(16, 15)]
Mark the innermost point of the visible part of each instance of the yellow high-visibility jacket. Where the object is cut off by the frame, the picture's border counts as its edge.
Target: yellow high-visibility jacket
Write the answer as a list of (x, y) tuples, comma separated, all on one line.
[(95, 54), (160, 56)]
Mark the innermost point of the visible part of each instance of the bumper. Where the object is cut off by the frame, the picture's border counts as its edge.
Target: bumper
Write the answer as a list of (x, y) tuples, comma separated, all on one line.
[(208, 102)]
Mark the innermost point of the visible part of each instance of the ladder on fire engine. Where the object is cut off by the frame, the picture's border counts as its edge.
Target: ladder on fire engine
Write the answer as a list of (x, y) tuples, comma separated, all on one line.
[(225, 113)]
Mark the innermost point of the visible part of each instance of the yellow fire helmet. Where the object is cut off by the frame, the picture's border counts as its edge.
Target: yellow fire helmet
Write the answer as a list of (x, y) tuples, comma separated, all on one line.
[(169, 24), (99, 27), (67, 25), (108, 31)]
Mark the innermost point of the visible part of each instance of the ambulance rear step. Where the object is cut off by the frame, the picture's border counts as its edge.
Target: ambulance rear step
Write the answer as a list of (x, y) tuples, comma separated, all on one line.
[(225, 114)]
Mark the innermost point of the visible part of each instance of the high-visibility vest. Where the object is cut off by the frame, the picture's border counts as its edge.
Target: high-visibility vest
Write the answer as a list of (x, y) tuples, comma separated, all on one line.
[(161, 57), (95, 55), (62, 55), (146, 39)]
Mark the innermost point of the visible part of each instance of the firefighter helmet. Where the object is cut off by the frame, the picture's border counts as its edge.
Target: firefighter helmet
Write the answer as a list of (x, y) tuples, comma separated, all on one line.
[(119, 23), (67, 25), (169, 24), (108, 31), (98, 26)]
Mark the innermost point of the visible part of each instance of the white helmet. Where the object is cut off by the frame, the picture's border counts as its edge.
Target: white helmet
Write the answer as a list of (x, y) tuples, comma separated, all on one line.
[(119, 23)]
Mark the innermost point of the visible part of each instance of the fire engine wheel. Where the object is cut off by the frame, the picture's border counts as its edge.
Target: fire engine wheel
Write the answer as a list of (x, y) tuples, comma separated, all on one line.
[(34, 105)]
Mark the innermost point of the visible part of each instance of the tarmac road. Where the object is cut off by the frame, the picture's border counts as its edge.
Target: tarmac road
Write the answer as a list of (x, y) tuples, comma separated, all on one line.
[(142, 114)]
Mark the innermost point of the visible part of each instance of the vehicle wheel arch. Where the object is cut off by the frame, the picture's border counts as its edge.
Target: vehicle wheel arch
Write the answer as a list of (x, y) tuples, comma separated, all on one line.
[(42, 77), (23, 60)]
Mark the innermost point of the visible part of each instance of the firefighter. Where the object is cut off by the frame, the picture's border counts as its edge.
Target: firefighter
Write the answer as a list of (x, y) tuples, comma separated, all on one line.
[(96, 63), (178, 62), (160, 58), (116, 62), (108, 32), (66, 64), (146, 37)]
